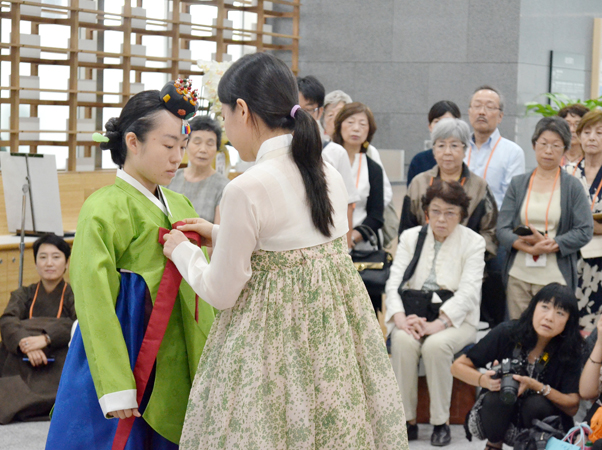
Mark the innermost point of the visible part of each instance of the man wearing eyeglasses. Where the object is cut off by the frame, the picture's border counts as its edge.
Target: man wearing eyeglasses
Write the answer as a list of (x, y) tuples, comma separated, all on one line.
[(497, 160), (492, 157)]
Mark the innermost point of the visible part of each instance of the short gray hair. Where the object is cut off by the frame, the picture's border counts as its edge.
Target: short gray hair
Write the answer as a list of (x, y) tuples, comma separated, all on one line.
[(486, 87), (451, 127), (336, 97), (556, 125)]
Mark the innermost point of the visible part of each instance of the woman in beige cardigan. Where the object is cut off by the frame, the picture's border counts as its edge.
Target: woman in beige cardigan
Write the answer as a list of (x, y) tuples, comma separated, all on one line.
[(452, 258)]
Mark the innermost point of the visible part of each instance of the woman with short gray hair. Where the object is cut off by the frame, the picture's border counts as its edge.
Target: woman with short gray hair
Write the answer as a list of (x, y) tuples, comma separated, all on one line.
[(544, 221), (333, 103), (450, 139)]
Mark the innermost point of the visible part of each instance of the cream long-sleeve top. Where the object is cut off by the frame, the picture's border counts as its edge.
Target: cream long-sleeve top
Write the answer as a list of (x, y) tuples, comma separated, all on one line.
[(459, 268), (263, 209)]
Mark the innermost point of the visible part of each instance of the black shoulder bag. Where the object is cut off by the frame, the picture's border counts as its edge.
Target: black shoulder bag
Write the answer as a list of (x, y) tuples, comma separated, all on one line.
[(416, 301), (374, 264)]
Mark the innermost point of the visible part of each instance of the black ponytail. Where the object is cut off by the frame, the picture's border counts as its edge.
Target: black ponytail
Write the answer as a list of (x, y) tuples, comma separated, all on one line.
[(269, 89), (138, 117)]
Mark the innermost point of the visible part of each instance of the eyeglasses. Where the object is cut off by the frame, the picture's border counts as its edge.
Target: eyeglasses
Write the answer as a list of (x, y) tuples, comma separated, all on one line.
[(454, 146), (544, 145), (447, 215), (488, 107), (311, 110)]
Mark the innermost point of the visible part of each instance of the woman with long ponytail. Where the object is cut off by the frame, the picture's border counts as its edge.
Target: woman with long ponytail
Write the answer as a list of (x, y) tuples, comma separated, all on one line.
[(295, 358)]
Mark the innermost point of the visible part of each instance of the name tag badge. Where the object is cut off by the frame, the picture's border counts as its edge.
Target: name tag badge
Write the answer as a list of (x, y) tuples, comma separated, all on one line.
[(535, 261)]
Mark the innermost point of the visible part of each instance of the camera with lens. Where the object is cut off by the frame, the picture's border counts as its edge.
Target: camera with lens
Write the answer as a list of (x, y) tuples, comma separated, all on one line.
[(505, 372)]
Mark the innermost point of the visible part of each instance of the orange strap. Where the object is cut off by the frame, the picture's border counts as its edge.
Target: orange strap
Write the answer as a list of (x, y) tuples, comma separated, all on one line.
[(357, 180), (35, 297), (488, 161), (359, 169), (549, 203), (596, 195)]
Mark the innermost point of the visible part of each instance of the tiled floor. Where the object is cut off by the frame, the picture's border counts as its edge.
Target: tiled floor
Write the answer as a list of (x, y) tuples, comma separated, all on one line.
[(32, 436)]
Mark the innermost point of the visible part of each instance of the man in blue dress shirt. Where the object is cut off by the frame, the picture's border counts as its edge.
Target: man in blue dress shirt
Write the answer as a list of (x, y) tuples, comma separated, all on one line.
[(490, 156)]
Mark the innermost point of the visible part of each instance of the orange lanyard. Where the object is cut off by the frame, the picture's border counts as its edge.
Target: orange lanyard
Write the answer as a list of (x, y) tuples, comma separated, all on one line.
[(35, 297), (563, 163), (596, 195), (357, 180), (359, 169), (549, 203), (488, 161), (597, 190)]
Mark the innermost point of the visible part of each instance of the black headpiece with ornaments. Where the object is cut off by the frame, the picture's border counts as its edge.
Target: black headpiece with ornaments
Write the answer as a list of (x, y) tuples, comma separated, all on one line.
[(178, 98), (181, 100)]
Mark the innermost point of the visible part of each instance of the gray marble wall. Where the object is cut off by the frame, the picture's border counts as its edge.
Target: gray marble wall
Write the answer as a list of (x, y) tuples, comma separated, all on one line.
[(401, 56), (546, 25)]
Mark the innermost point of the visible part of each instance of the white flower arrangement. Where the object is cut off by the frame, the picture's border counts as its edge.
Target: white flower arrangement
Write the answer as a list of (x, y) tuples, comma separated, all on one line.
[(212, 74)]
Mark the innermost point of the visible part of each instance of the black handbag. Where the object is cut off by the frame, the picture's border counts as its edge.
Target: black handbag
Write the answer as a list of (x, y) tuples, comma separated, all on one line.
[(373, 265), (416, 301)]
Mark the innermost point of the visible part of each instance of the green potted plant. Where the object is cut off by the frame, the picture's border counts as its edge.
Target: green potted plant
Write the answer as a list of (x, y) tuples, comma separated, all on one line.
[(557, 102)]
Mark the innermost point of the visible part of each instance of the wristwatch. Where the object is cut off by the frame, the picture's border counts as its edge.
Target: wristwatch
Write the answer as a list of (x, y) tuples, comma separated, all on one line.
[(48, 340)]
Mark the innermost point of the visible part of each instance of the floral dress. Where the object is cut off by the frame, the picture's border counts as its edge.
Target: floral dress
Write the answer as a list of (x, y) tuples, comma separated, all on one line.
[(589, 288)]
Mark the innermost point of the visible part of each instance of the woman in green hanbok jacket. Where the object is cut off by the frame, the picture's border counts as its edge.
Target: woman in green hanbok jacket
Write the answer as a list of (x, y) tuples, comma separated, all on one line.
[(116, 268)]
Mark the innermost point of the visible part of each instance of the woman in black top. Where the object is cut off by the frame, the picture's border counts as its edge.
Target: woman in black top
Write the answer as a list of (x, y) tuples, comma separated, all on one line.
[(546, 340)]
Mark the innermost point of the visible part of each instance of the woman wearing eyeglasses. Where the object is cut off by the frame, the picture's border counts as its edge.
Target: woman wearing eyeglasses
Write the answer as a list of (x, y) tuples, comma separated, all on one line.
[(545, 219), (589, 172), (438, 266)]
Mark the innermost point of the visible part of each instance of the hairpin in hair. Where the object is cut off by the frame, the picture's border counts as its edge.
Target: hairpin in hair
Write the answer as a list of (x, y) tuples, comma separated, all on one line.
[(97, 137)]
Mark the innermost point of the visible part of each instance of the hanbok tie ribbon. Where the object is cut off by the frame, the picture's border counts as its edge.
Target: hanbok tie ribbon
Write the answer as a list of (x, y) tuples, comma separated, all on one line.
[(155, 330)]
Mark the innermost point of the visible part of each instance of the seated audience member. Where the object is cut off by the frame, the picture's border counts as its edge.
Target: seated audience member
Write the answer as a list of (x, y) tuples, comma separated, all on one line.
[(588, 171), (423, 161), (490, 156), (544, 221), (354, 128), (333, 103), (450, 139), (573, 114), (199, 181), (311, 99), (449, 268), (543, 372), (36, 329)]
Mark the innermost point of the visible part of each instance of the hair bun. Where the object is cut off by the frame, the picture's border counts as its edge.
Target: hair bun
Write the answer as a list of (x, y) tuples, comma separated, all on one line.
[(113, 133)]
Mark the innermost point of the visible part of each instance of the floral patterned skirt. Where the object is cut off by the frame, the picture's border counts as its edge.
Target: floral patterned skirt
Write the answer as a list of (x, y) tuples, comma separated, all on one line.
[(589, 292), (298, 363)]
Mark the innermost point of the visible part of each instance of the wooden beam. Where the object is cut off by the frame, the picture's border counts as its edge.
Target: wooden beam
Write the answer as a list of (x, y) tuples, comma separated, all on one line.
[(127, 52), (175, 39), (73, 75), (15, 56)]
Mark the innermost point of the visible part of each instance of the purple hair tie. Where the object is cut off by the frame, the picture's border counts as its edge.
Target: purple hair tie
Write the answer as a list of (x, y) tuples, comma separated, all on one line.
[(294, 110)]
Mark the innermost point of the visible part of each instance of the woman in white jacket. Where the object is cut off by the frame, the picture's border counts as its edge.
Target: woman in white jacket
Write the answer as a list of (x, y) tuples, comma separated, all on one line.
[(447, 274)]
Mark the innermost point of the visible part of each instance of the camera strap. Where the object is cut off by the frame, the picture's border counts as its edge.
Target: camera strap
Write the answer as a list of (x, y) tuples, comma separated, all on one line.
[(539, 365)]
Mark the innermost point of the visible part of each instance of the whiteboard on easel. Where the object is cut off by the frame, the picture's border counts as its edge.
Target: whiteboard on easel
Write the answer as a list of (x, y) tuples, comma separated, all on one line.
[(43, 203)]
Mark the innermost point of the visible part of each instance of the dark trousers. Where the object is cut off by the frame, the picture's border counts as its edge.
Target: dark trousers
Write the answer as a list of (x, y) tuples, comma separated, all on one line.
[(496, 416), (493, 302), (377, 300)]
